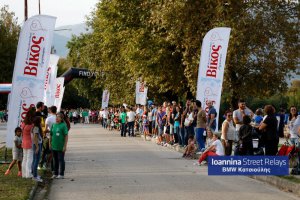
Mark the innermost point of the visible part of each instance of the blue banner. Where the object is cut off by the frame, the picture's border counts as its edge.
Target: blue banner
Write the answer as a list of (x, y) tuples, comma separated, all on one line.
[(248, 165)]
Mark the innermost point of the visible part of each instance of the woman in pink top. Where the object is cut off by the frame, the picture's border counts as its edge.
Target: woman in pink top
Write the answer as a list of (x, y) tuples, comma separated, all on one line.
[(27, 126)]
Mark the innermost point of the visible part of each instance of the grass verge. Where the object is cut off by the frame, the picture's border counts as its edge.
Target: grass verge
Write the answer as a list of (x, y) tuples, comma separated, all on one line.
[(13, 187), (291, 178)]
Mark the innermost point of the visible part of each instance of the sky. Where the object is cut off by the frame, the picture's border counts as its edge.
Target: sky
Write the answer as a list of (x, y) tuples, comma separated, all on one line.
[(68, 12)]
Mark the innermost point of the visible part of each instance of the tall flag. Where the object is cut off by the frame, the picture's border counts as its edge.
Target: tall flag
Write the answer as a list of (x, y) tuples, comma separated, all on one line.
[(141, 93), (105, 99), (211, 67), (51, 73), (59, 92), (31, 63)]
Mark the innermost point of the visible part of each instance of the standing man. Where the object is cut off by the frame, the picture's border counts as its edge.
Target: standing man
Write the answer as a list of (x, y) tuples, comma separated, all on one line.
[(240, 113), (130, 120), (211, 116), (105, 116), (123, 119)]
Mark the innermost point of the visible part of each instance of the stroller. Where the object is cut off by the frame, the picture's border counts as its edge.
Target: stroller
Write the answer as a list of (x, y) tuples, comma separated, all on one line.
[(293, 153), (256, 141)]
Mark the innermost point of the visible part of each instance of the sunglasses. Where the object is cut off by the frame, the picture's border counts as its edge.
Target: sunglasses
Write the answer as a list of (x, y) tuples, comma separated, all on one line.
[(229, 115)]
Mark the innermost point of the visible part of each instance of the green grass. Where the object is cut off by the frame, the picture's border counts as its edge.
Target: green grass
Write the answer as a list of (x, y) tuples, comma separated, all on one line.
[(13, 187), (291, 178)]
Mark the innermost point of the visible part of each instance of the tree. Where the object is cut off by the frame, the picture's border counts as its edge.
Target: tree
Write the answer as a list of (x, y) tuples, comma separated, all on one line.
[(9, 33), (160, 42)]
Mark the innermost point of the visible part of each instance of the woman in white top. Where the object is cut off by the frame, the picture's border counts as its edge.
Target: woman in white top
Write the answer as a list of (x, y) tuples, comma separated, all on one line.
[(228, 133), (293, 135), (216, 149)]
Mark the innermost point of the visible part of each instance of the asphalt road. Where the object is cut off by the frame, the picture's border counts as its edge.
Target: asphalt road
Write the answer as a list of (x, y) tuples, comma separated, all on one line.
[(102, 165)]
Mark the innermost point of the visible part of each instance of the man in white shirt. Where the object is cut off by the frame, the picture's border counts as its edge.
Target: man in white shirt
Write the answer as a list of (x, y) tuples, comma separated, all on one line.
[(130, 122), (105, 116), (51, 119), (240, 113)]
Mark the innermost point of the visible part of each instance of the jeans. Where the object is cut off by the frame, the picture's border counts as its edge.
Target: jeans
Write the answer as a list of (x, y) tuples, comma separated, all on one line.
[(131, 128), (104, 123), (36, 159), (59, 163), (199, 138), (123, 130), (45, 152), (27, 163), (177, 135), (189, 130), (183, 136)]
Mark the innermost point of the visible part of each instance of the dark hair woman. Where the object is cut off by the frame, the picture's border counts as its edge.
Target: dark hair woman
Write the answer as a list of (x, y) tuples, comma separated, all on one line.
[(269, 131), (27, 126)]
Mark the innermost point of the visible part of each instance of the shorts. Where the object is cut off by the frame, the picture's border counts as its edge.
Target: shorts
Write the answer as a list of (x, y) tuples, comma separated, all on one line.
[(171, 129), (160, 130), (17, 154)]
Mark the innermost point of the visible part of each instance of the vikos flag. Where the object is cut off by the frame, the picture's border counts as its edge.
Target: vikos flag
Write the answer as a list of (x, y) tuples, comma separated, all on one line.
[(59, 92), (141, 93), (105, 99), (31, 63), (51, 72), (211, 67)]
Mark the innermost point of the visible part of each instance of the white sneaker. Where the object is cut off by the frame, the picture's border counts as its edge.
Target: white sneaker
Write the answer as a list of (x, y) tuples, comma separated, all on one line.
[(54, 177), (60, 177), (37, 179)]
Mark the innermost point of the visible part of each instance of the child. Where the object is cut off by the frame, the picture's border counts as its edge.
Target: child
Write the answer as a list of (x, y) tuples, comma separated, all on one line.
[(190, 148), (17, 152), (145, 125)]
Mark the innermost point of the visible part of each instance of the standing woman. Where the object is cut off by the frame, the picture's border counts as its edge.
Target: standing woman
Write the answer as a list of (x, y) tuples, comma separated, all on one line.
[(27, 126), (37, 147), (293, 135), (58, 143), (228, 132), (177, 120), (269, 131)]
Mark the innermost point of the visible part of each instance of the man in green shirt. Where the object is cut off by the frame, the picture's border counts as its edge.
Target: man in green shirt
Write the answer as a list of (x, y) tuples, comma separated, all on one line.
[(123, 119), (2, 116), (58, 144)]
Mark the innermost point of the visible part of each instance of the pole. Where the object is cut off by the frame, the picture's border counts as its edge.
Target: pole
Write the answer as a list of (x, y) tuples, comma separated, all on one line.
[(39, 7), (26, 10)]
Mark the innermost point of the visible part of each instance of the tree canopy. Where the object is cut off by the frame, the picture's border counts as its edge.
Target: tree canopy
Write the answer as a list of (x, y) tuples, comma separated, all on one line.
[(160, 42)]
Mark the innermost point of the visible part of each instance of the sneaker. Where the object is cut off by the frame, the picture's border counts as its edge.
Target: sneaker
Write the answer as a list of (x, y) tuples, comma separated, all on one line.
[(54, 177), (39, 168), (19, 173), (7, 172), (60, 177), (37, 179), (197, 164)]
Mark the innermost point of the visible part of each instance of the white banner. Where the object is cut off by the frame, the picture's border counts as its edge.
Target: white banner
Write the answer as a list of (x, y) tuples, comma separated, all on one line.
[(105, 99), (59, 92), (31, 62), (51, 72), (211, 68), (141, 93)]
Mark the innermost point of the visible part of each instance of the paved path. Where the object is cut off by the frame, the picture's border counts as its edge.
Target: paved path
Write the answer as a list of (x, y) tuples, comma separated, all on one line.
[(102, 165)]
